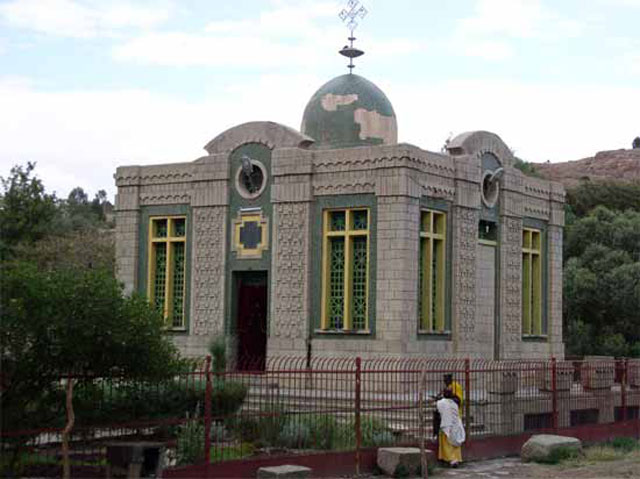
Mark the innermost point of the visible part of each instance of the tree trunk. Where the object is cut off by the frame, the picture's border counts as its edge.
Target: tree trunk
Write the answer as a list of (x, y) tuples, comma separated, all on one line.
[(66, 466)]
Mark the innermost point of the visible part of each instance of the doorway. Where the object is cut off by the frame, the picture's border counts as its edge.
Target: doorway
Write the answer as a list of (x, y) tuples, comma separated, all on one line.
[(251, 319)]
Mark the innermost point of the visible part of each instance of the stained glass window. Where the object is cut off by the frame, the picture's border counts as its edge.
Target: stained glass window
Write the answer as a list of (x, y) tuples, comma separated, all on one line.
[(345, 284), (532, 282), (167, 267), (432, 271)]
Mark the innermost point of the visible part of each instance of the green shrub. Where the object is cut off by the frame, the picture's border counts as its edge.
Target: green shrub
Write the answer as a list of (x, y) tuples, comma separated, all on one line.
[(227, 397), (263, 427), (105, 401), (243, 427), (308, 431), (401, 471), (190, 442), (218, 351), (374, 432), (295, 435), (626, 444), (270, 425)]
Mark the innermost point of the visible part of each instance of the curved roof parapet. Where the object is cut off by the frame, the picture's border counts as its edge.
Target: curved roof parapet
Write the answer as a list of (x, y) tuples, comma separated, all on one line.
[(478, 142), (268, 133)]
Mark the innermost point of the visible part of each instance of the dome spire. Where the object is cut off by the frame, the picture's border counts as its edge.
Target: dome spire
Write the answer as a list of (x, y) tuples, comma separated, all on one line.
[(350, 15)]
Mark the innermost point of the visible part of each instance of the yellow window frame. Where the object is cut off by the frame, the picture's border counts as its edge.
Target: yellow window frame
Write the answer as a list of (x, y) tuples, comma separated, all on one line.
[(169, 240), (349, 233), (433, 240), (532, 282)]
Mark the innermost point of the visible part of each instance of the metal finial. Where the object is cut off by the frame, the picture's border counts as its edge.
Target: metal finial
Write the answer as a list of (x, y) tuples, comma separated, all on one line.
[(350, 16)]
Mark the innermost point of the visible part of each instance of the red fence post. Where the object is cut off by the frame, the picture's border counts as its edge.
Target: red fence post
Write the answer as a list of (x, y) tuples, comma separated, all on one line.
[(467, 397), (554, 393), (623, 390), (357, 415), (207, 412)]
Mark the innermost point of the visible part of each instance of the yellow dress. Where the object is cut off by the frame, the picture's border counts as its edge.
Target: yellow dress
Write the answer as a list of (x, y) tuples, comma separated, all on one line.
[(447, 452)]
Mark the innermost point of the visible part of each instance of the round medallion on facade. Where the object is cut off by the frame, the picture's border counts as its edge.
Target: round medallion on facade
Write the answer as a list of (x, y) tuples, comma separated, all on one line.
[(251, 178), (350, 111), (492, 171)]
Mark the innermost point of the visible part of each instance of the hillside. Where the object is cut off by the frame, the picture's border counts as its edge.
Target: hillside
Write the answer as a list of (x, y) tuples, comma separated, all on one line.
[(618, 165)]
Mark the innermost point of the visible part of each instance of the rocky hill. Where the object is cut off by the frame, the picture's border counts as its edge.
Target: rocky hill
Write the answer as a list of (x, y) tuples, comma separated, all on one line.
[(616, 165)]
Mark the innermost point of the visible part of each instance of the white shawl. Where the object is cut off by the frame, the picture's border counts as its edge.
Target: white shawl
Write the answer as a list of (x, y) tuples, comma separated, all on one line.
[(450, 422)]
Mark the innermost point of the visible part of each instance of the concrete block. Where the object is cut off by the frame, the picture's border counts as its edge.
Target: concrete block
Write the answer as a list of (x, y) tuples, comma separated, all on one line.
[(539, 446), (598, 373), (396, 461), (284, 471)]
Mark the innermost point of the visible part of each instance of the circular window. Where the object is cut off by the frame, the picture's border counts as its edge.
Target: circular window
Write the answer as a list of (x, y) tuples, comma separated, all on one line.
[(490, 188), (251, 178)]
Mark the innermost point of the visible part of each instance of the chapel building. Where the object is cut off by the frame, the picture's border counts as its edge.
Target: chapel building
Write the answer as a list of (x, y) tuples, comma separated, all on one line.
[(336, 240)]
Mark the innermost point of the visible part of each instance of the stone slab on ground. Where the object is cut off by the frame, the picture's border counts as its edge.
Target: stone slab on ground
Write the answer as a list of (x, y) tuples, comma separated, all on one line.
[(401, 460), (286, 471), (539, 446)]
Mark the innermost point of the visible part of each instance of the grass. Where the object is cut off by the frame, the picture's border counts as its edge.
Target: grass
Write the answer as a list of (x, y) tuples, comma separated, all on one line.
[(561, 454), (617, 449), (229, 453)]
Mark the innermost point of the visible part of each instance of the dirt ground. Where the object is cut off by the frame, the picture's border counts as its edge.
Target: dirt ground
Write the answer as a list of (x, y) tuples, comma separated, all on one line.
[(514, 468)]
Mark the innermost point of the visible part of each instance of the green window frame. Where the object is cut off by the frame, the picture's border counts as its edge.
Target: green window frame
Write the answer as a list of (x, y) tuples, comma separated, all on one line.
[(345, 269), (532, 282), (167, 264), (432, 272)]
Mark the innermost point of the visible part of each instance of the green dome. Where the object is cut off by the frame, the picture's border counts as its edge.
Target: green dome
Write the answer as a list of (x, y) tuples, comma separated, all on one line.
[(349, 111)]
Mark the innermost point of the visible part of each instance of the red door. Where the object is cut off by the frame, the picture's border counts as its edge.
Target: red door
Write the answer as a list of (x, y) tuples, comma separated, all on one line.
[(252, 320)]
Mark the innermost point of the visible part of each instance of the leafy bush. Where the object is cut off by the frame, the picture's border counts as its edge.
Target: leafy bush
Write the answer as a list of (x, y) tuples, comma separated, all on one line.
[(308, 431), (295, 435), (263, 427), (626, 444), (102, 402), (218, 351), (190, 443), (374, 432), (227, 397)]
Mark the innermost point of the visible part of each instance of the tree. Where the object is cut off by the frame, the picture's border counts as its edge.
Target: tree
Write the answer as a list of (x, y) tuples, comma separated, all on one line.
[(71, 321), (614, 195), (602, 283), (26, 211), (526, 167)]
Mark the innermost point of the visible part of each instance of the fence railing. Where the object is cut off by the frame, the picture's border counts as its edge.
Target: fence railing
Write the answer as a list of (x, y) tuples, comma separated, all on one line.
[(294, 404)]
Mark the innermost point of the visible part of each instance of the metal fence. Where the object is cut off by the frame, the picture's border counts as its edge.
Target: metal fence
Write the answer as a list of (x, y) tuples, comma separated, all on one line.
[(295, 405)]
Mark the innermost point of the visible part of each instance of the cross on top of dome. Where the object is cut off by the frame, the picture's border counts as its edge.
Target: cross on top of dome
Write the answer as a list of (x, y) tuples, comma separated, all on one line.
[(350, 15)]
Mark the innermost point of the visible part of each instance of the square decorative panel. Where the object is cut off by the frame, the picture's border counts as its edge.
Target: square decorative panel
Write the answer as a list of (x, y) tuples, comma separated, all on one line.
[(250, 234)]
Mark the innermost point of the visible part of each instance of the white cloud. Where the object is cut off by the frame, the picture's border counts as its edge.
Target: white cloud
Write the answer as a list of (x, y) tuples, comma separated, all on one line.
[(519, 19), (80, 137), (541, 122), (185, 49), (489, 50), (284, 35), (495, 23), (82, 19)]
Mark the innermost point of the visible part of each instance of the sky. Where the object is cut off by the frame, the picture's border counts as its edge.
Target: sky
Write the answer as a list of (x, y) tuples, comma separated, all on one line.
[(89, 85)]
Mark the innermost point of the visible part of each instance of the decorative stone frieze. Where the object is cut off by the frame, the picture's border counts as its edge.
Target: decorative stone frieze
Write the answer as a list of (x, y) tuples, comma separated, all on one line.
[(510, 282), (290, 271), (464, 271), (208, 270)]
